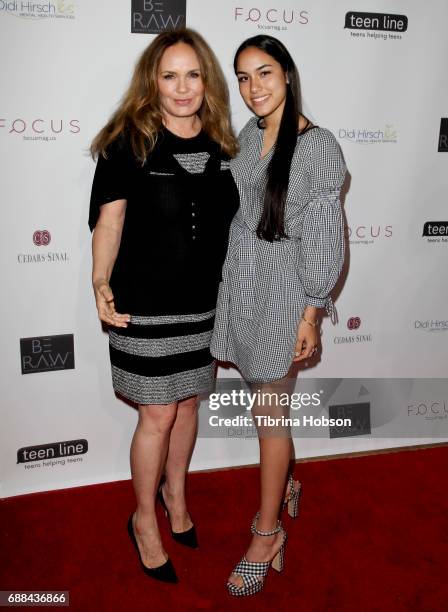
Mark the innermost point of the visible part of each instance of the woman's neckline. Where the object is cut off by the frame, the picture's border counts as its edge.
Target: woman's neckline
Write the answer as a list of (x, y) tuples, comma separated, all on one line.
[(307, 128), (185, 138)]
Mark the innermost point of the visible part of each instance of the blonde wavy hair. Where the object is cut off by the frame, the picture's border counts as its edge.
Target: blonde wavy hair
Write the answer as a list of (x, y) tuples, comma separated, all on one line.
[(139, 111)]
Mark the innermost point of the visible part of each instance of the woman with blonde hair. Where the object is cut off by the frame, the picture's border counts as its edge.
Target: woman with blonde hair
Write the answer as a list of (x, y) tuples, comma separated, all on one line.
[(162, 201)]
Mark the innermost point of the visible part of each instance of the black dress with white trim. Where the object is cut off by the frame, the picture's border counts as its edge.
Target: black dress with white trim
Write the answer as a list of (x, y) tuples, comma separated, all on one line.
[(180, 204)]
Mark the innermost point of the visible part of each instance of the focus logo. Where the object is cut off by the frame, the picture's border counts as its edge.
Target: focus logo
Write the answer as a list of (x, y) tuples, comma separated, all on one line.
[(354, 323), (367, 234), (429, 410), (149, 17), (47, 353), (41, 237), (43, 129), (271, 18)]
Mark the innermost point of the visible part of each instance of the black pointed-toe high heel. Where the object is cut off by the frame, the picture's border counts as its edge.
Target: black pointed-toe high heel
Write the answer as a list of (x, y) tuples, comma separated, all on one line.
[(187, 538), (164, 572)]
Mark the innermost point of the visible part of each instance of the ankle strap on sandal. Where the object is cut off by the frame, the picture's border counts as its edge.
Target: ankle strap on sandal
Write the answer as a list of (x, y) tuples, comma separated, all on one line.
[(265, 533)]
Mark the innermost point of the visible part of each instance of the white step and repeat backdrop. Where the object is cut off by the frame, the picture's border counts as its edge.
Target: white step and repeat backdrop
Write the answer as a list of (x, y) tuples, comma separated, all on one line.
[(375, 77)]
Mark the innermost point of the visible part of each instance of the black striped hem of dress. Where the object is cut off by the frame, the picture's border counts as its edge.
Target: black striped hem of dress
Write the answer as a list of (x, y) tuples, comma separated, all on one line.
[(166, 330), (165, 345), (160, 366)]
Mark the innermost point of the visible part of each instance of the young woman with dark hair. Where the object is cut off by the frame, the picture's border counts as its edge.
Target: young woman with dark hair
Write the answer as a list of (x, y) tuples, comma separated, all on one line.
[(285, 254), (162, 201)]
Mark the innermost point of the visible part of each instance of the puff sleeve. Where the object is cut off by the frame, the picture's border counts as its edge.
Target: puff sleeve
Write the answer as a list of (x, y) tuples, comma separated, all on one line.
[(322, 244), (112, 178)]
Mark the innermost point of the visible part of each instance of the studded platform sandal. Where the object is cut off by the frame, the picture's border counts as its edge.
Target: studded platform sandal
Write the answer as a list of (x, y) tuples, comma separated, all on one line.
[(292, 500), (253, 573)]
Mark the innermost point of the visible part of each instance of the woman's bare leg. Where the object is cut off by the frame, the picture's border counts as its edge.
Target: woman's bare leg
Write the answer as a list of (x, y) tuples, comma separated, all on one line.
[(149, 449), (275, 454), (182, 439)]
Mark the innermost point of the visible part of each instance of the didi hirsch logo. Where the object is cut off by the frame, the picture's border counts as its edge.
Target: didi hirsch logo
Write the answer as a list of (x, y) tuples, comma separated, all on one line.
[(38, 10), (384, 135), (149, 17)]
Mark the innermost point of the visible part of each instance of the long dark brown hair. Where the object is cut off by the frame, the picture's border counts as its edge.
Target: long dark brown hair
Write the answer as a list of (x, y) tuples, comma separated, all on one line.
[(139, 112), (272, 222)]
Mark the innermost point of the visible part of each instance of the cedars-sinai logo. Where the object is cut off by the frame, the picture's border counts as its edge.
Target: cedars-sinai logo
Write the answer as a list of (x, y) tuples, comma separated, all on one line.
[(60, 9), (354, 323), (150, 17), (41, 237), (379, 26)]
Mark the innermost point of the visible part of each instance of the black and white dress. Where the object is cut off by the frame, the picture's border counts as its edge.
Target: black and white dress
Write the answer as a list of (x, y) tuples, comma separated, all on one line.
[(267, 285), (179, 207)]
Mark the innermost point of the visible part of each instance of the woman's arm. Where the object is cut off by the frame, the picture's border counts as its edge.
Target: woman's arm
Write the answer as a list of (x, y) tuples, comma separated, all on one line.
[(105, 244), (307, 339), (322, 243)]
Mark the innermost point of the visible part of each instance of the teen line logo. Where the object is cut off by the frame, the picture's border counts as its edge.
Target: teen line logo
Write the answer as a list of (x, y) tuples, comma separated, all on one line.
[(379, 26), (436, 231), (54, 453)]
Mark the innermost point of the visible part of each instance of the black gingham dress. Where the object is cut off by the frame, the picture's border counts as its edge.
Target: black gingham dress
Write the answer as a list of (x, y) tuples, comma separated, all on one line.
[(266, 286), (166, 275)]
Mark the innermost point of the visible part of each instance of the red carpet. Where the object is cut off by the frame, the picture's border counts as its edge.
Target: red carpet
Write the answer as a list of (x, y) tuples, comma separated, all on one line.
[(372, 535)]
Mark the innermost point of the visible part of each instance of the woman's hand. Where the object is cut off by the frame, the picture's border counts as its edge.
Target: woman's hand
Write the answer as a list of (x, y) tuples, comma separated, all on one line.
[(106, 307), (307, 341)]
